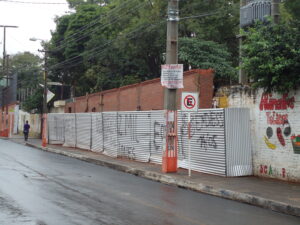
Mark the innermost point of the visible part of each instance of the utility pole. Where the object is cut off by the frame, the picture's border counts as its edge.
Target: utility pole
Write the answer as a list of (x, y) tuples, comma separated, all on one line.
[(170, 95), (243, 78), (45, 109), (5, 70), (275, 11)]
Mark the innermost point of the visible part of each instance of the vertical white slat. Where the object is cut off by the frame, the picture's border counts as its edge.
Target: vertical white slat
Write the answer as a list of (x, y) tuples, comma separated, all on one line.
[(97, 132), (83, 130), (238, 142), (110, 134), (56, 128), (70, 130)]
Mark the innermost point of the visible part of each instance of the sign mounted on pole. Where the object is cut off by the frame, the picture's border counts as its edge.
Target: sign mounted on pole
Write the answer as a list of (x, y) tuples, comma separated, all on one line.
[(189, 101), (172, 76)]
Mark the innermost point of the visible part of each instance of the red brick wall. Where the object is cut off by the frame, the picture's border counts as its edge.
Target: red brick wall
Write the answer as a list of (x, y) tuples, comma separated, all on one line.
[(144, 96), (151, 95), (110, 101), (128, 98)]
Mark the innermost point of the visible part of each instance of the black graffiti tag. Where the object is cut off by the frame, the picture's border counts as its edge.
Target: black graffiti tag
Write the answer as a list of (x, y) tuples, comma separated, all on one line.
[(207, 141)]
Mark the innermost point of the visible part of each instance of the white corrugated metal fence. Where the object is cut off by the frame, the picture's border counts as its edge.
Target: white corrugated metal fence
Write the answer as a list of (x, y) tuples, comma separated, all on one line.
[(217, 138)]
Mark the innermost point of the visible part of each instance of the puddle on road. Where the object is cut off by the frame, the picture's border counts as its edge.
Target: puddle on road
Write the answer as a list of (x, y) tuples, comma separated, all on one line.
[(11, 214)]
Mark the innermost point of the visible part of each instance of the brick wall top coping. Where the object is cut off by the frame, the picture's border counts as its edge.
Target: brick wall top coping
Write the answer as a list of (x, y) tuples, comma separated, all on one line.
[(186, 73)]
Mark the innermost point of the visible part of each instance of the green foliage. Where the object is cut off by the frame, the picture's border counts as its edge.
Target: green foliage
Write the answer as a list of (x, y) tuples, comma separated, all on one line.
[(107, 44), (28, 68), (293, 7), (202, 54), (271, 56), (34, 103)]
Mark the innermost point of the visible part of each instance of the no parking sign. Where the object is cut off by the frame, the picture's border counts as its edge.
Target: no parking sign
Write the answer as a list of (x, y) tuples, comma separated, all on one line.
[(189, 101)]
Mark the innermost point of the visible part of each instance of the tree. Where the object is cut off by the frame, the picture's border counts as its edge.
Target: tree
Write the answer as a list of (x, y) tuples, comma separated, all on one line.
[(293, 7), (34, 103), (106, 44), (28, 67), (271, 56), (197, 53)]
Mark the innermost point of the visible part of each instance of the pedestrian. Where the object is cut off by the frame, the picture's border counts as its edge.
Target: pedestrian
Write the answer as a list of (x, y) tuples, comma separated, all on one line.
[(26, 130)]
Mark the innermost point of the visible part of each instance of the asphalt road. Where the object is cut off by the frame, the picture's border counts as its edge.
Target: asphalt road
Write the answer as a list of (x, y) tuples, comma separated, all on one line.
[(41, 188)]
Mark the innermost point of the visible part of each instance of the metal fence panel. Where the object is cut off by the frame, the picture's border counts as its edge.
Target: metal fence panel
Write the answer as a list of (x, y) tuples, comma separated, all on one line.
[(207, 141), (56, 128), (238, 142), (220, 139), (158, 125), (134, 135), (70, 130), (97, 132), (110, 134), (83, 130), (253, 11)]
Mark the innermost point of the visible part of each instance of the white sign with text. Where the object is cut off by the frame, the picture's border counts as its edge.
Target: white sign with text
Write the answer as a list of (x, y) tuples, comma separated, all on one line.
[(172, 76)]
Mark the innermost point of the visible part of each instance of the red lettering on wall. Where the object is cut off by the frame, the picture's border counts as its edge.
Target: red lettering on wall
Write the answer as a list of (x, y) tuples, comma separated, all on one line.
[(269, 103), (283, 172), (274, 118), (261, 170)]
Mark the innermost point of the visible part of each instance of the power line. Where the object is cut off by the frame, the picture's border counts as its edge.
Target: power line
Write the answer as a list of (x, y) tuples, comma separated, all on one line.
[(95, 21), (93, 52), (86, 34), (36, 3), (201, 15)]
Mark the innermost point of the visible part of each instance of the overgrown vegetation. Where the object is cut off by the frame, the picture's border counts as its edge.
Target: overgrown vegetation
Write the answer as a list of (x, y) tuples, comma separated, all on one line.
[(107, 44), (271, 54)]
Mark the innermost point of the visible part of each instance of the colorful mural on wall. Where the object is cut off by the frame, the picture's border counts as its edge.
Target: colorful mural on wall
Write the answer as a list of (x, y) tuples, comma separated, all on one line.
[(296, 143), (278, 129)]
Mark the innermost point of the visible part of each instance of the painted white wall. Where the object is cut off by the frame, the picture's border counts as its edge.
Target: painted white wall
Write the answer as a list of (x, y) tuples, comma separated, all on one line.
[(274, 118)]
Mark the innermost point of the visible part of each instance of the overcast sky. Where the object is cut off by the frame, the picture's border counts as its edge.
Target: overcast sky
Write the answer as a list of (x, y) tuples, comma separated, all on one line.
[(33, 20)]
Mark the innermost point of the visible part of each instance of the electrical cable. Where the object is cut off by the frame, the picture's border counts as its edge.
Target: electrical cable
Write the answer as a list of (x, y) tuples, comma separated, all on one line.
[(81, 55), (116, 19), (97, 28), (92, 52), (95, 21), (201, 15), (36, 3)]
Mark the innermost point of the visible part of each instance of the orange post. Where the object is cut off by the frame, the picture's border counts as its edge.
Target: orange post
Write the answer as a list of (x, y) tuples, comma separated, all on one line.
[(44, 132), (169, 164)]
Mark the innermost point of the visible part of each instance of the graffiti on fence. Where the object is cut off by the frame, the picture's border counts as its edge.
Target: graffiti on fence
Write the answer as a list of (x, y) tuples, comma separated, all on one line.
[(127, 151), (142, 135), (127, 126), (110, 134), (202, 130), (158, 136)]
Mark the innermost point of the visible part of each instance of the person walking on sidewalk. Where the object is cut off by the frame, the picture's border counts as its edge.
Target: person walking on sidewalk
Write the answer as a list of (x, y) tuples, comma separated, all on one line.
[(26, 130)]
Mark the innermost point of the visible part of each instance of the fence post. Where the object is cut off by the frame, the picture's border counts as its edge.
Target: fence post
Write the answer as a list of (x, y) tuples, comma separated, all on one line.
[(44, 133), (91, 132)]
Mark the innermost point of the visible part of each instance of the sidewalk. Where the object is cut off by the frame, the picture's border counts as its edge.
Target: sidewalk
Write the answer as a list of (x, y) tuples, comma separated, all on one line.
[(276, 195)]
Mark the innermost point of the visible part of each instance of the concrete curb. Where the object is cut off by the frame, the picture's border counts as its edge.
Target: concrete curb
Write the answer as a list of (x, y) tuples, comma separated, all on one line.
[(183, 183)]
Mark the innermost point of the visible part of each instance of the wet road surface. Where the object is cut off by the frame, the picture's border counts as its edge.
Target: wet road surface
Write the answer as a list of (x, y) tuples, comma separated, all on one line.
[(41, 188)]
